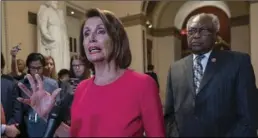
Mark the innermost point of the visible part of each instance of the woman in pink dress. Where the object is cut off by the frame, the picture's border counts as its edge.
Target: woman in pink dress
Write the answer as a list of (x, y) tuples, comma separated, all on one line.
[(117, 101)]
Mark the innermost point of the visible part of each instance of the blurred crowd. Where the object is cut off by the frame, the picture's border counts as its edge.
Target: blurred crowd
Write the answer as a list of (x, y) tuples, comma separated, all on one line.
[(21, 119)]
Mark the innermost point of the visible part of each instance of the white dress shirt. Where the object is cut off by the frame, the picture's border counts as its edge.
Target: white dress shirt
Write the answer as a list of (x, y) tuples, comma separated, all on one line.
[(3, 126), (204, 60)]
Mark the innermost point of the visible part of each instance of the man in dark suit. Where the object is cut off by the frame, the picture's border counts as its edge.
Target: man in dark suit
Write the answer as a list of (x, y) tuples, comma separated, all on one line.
[(152, 74), (210, 93), (11, 107)]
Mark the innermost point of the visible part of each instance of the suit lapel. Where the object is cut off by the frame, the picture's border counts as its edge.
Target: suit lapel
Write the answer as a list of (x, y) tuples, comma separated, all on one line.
[(188, 69), (211, 68)]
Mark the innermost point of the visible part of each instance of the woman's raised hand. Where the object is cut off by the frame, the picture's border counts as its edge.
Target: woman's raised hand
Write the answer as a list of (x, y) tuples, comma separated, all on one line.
[(39, 99)]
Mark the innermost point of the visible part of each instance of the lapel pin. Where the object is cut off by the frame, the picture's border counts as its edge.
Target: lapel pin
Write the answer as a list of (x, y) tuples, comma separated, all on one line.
[(213, 60)]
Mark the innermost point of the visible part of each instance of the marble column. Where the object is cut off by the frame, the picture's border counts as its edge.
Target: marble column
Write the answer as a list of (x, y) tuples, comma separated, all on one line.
[(134, 33), (3, 37), (254, 37)]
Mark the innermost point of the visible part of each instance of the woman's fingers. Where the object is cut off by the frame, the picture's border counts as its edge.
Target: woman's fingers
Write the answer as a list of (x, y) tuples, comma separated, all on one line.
[(24, 89), (32, 82), (25, 101), (34, 99), (55, 93), (39, 82)]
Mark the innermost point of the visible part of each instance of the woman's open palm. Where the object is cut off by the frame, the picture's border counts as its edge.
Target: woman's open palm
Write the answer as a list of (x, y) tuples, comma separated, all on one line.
[(39, 99)]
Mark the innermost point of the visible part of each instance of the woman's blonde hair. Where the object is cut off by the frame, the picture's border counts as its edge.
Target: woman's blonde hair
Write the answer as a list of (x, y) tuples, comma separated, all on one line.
[(53, 74)]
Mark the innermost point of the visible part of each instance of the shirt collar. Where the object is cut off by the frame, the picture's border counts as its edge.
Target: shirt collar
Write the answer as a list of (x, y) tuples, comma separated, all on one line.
[(206, 55)]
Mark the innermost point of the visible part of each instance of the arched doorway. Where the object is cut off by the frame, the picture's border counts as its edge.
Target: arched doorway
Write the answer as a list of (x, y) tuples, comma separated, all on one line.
[(224, 31)]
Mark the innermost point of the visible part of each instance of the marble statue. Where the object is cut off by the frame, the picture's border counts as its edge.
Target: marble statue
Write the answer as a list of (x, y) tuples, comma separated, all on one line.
[(52, 34)]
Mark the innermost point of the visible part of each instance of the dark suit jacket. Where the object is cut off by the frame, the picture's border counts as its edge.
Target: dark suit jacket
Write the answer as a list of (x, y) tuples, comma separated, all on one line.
[(226, 102), (154, 76), (9, 94), (66, 89)]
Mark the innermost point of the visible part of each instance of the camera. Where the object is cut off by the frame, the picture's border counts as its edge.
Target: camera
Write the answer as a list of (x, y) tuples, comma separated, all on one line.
[(74, 81)]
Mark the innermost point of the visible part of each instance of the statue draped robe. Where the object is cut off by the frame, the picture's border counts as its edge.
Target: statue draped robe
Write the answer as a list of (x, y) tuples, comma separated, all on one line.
[(52, 36)]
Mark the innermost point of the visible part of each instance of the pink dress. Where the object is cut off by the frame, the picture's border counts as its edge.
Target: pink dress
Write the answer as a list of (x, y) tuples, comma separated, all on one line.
[(127, 107)]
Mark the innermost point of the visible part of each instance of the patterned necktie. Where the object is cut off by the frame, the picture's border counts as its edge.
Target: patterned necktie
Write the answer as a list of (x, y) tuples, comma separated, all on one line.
[(198, 72)]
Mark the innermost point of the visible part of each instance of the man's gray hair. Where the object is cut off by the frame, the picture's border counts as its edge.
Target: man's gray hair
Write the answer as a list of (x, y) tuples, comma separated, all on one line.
[(212, 17)]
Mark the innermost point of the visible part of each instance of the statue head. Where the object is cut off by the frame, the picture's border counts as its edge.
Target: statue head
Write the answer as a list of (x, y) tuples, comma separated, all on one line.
[(53, 4)]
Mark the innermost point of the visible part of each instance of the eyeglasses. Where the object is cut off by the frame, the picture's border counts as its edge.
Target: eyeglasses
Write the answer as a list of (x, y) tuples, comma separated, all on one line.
[(201, 31), (78, 65), (35, 68)]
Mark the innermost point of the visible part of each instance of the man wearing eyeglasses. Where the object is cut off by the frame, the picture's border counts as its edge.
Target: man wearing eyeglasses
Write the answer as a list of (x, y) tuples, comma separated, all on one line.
[(210, 93), (34, 125)]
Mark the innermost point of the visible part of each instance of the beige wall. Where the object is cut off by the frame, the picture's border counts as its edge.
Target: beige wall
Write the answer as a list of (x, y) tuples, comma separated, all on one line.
[(190, 6), (164, 47), (240, 38), (167, 17), (135, 38), (120, 8), (254, 37), (73, 30), (18, 29), (164, 57), (3, 42), (238, 8)]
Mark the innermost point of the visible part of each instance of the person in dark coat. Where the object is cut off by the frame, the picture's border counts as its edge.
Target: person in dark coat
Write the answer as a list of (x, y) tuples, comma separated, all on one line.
[(152, 74), (11, 107), (210, 93)]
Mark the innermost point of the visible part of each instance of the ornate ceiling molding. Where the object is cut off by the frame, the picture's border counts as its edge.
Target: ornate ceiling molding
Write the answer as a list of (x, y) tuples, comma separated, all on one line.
[(132, 20), (140, 19), (251, 2)]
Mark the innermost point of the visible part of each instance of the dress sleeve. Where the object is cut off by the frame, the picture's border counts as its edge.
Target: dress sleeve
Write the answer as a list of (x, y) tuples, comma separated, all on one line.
[(79, 92), (151, 109)]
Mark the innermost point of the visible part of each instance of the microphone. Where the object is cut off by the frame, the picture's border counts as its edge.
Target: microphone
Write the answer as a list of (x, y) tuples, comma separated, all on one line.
[(57, 115), (52, 122)]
